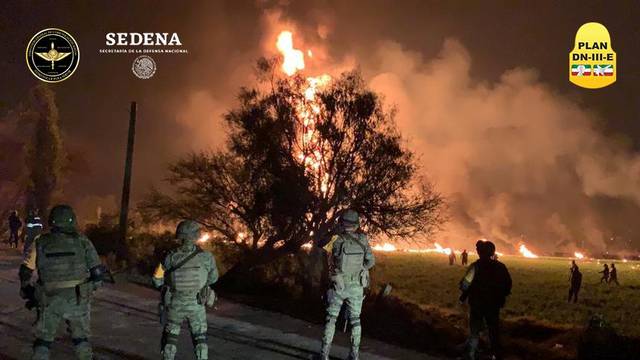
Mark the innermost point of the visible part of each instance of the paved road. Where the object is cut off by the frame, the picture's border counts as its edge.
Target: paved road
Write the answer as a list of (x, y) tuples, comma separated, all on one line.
[(125, 326)]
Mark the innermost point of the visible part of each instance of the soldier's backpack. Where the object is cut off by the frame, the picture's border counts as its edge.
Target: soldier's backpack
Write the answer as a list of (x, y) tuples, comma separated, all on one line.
[(349, 258), (186, 276)]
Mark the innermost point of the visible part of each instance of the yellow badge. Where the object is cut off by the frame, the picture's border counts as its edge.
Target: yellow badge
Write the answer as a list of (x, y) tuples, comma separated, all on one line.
[(592, 63)]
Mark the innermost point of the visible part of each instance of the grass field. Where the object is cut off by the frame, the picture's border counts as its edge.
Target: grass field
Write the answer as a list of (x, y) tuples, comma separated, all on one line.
[(540, 288)]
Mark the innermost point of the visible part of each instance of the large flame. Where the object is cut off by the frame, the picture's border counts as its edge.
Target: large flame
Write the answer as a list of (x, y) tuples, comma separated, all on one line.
[(437, 248), (309, 148), (526, 252), (578, 255), (293, 58)]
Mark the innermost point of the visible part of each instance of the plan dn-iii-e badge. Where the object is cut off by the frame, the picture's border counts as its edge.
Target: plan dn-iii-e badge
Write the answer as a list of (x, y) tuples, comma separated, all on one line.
[(52, 55), (592, 63)]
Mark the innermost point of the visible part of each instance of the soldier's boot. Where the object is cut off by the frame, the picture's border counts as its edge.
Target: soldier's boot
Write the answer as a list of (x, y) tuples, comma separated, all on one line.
[(169, 346), (41, 350), (471, 348), (82, 348), (200, 346), (327, 337), (356, 334)]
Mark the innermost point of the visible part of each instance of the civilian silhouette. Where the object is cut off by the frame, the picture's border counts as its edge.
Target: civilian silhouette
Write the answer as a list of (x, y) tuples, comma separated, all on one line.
[(464, 257), (14, 226), (605, 274), (575, 282), (613, 274)]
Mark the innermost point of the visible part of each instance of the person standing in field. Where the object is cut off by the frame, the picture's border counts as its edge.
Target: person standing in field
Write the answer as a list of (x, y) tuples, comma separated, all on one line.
[(605, 274), (575, 282), (452, 258), (613, 274), (464, 257), (573, 266), (486, 285)]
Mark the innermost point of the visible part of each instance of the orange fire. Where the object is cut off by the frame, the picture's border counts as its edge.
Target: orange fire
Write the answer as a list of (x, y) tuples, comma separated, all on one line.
[(436, 249), (386, 247), (309, 148), (293, 58), (578, 255), (526, 252), (204, 238)]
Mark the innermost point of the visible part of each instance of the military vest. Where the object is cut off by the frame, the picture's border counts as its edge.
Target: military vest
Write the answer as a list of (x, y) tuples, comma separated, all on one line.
[(191, 277), (61, 261), (348, 255)]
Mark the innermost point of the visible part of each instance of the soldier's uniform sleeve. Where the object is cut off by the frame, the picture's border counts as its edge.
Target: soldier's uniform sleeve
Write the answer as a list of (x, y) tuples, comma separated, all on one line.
[(466, 281), (91, 255), (158, 275), (329, 245), (29, 260), (28, 265), (212, 277), (369, 258)]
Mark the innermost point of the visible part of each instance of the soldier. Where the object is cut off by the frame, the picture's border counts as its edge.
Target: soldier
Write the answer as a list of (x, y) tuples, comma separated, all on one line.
[(613, 274), (575, 282), (34, 228), (464, 257), (350, 260), (605, 274), (69, 270), (14, 226), (186, 277), (486, 284)]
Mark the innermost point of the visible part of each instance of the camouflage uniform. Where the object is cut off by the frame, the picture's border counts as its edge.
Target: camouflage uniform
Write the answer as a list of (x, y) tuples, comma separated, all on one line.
[(69, 271), (184, 287), (351, 259)]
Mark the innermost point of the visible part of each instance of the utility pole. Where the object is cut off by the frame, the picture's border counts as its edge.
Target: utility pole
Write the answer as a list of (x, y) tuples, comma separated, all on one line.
[(126, 185)]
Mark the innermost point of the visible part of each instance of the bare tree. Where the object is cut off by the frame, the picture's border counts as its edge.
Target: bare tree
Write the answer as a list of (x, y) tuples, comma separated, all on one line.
[(263, 195)]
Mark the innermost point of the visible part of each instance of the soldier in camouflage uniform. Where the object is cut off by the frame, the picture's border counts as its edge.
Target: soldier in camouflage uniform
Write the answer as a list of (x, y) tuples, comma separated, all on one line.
[(351, 258), (69, 270), (186, 275)]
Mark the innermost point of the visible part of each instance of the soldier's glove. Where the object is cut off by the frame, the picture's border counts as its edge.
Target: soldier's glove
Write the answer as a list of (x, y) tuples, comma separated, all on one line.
[(29, 293)]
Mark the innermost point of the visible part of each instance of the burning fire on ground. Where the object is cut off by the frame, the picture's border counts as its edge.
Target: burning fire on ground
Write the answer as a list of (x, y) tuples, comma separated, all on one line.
[(204, 238), (526, 252)]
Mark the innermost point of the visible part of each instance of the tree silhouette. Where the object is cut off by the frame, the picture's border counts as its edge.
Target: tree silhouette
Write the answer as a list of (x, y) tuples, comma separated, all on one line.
[(261, 195), (45, 155)]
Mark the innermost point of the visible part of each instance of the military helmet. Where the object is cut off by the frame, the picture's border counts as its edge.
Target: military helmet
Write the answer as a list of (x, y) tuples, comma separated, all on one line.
[(350, 217), (62, 217), (188, 230)]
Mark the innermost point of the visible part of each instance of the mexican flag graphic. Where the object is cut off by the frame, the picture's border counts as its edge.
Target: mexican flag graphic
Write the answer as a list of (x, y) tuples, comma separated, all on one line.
[(602, 70), (580, 70)]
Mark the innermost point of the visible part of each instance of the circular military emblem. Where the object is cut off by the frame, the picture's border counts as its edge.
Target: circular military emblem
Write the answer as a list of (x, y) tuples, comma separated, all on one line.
[(143, 67), (52, 55)]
